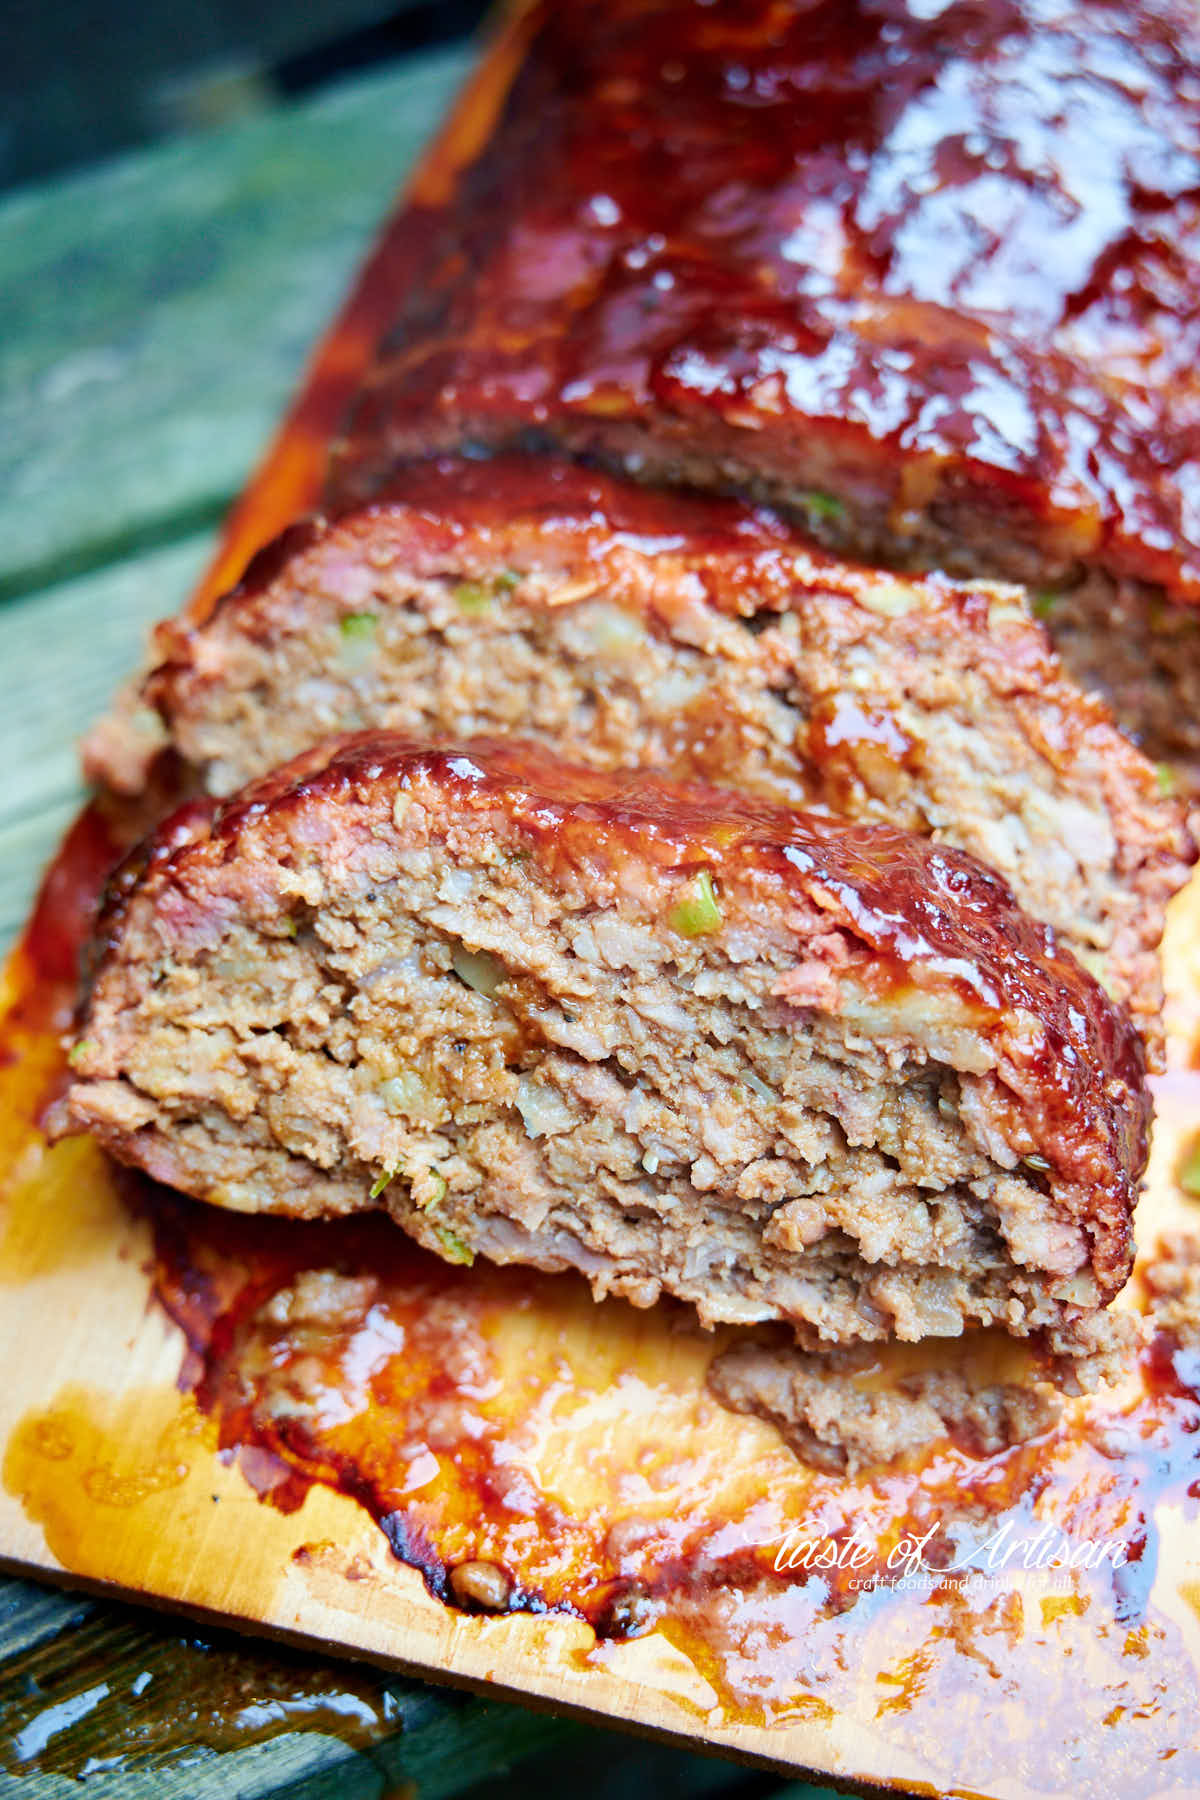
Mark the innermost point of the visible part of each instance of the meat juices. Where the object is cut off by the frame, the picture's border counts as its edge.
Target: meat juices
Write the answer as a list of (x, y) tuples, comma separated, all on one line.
[(777, 1065), (929, 279)]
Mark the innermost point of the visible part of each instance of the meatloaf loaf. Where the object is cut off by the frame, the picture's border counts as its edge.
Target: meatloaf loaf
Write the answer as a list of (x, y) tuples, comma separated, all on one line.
[(929, 276), (705, 638), (777, 1065)]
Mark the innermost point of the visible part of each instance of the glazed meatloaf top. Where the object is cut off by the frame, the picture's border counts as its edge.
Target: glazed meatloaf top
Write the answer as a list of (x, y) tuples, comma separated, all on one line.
[(944, 262), (893, 937)]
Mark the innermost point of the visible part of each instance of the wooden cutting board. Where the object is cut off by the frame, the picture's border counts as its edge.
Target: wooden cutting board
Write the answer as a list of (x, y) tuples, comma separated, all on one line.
[(619, 1476)]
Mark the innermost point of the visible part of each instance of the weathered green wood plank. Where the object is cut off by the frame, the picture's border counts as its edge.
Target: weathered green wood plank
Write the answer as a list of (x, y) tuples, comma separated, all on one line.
[(111, 1696), (120, 1701), (155, 313), (136, 1710), (32, 1615), (63, 654)]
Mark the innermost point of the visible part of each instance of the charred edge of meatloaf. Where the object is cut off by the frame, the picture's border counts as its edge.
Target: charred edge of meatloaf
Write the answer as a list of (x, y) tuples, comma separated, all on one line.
[(849, 1408), (692, 635), (774, 1064)]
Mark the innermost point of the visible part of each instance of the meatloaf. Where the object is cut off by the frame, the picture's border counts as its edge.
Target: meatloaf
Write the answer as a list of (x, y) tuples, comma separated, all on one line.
[(777, 1065), (705, 638), (928, 276), (846, 1408)]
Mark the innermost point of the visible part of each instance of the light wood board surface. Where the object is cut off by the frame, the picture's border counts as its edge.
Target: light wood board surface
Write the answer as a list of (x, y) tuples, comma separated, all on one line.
[(111, 1475)]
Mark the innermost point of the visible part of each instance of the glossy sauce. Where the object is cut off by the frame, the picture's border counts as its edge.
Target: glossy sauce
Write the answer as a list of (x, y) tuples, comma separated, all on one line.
[(498, 1417), (913, 917), (919, 232)]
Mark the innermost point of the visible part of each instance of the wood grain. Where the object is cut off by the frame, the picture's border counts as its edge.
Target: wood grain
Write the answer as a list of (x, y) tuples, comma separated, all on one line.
[(111, 1474)]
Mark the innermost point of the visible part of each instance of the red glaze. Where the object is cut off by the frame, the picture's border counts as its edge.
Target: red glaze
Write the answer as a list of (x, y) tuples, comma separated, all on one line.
[(911, 914), (960, 245), (541, 511)]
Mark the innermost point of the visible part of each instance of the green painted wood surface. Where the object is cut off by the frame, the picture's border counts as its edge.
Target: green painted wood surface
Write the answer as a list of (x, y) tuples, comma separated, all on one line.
[(154, 316), (63, 653), (155, 313), (110, 1696)]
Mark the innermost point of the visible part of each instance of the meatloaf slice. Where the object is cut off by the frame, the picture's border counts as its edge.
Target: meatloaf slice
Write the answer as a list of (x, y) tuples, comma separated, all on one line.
[(854, 1405), (928, 275), (775, 1064), (704, 638)]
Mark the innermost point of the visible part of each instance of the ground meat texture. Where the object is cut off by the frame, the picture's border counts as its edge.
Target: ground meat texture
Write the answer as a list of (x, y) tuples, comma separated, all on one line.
[(780, 1066), (703, 638), (929, 278), (848, 1408), (1171, 1279), (839, 1410), (1123, 640)]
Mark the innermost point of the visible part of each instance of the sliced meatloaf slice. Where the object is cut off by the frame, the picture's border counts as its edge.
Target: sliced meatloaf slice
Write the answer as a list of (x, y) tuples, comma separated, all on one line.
[(928, 276), (703, 638), (777, 1065), (854, 1405)]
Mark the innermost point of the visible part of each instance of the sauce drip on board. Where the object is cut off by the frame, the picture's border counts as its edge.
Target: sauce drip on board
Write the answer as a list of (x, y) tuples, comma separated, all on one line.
[(492, 1420), (528, 1450)]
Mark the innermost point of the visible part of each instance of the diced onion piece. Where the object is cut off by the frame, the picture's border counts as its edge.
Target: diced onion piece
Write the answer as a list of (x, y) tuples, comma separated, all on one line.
[(759, 1087), (613, 628), (1006, 607), (405, 1093), (544, 1110), (478, 969), (889, 599), (428, 1188)]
